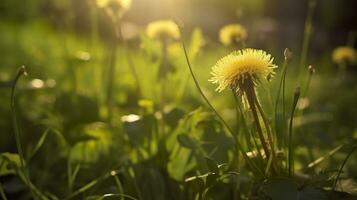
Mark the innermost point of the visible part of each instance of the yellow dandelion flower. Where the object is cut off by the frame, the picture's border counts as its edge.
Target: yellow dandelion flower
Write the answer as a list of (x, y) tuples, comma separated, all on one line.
[(114, 7), (237, 67), (344, 55), (232, 33), (163, 30), (101, 3), (120, 4)]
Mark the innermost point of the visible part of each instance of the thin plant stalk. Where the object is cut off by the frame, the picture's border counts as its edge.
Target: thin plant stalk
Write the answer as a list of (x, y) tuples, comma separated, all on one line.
[(343, 164), (71, 175), (119, 186), (311, 72), (247, 133), (21, 72), (237, 186), (111, 82), (307, 33), (322, 158), (238, 145), (266, 124), (90, 185), (283, 101), (271, 161), (163, 83), (130, 60), (280, 89), (240, 114), (97, 73), (250, 94), (2, 193), (291, 148)]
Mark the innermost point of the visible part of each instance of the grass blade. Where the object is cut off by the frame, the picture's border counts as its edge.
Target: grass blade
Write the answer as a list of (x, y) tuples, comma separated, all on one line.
[(291, 148)]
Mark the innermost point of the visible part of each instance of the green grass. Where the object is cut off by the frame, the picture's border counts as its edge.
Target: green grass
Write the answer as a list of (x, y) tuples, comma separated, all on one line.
[(109, 127)]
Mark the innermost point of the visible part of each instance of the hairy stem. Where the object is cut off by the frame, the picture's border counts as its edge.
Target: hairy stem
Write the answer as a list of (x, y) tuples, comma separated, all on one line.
[(252, 104)]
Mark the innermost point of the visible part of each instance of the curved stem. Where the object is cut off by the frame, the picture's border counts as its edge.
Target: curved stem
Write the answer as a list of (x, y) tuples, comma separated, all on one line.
[(307, 34), (130, 60), (341, 168), (265, 121), (291, 149), (238, 144), (21, 72), (281, 88)]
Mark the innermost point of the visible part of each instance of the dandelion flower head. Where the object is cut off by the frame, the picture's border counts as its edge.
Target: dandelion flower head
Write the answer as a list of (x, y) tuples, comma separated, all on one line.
[(233, 69), (163, 30), (115, 7), (232, 33), (344, 55)]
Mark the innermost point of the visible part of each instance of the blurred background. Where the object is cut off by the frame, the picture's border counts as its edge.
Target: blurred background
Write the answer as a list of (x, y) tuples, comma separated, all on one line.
[(66, 46)]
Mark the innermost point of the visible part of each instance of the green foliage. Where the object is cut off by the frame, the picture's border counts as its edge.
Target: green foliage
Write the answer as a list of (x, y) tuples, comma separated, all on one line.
[(150, 135)]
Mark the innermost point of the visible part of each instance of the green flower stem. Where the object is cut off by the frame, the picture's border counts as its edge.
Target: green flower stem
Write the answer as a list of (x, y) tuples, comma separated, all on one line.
[(119, 186), (271, 161), (111, 82), (238, 144), (130, 60), (2, 193), (21, 72), (280, 89), (291, 148), (240, 114), (247, 133), (163, 83), (307, 34), (266, 123), (250, 93), (111, 73), (343, 164)]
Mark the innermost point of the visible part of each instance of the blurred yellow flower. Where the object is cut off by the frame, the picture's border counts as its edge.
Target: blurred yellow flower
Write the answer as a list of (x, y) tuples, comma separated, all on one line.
[(233, 69), (344, 55), (114, 7), (163, 30), (232, 33)]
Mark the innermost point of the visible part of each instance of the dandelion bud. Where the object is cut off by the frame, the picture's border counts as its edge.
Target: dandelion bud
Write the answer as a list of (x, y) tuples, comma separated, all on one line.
[(311, 70), (22, 70), (288, 54)]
